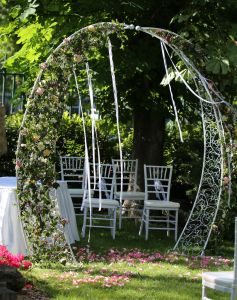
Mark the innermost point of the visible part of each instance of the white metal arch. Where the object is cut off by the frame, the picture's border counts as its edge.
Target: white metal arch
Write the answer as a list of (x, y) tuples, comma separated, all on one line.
[(197, 230)]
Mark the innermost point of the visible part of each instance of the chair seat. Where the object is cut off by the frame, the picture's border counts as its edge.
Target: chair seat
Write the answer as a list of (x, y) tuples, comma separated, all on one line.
[(157, 204), (78, 192), (96, 202), (219, 278), (130, 195)]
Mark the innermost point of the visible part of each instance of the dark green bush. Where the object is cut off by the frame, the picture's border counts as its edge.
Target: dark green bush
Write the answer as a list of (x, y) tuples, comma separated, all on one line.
[(7, 161), (71, 141), (186, 159)]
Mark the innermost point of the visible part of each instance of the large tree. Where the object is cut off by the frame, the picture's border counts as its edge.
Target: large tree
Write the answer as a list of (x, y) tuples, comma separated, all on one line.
[(38, 26)]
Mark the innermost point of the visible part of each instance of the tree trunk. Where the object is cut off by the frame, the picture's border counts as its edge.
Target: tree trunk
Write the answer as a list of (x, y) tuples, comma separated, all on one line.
[(149, 133)]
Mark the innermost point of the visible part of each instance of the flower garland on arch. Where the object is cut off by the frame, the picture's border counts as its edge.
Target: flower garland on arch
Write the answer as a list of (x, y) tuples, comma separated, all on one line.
[(35, 163)]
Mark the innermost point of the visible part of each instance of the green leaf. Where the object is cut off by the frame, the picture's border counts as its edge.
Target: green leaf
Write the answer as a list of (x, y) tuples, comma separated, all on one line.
[(168, 77), (26, 33), (232, 53), (15, 11), (7, 29), (226, 62), (182, 18), (213, 66), (29, 11), (224, 66)]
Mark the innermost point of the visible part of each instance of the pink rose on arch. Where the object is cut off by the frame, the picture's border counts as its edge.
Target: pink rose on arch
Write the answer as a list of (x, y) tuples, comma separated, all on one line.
[(226, 180), (40, 91), (77, 58), (18, 164), (43, 66), (66, 41)]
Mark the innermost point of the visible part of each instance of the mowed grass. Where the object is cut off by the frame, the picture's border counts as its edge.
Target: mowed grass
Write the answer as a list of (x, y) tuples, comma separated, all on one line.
[(150, 280)]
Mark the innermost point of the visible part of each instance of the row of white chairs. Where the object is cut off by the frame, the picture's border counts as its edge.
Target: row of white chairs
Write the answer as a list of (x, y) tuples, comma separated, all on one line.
[(109, 186)]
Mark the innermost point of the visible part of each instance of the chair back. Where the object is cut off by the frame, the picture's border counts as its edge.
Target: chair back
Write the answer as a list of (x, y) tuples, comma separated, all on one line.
[(157, 182), (72, 171), (102, 178), (126, 174)]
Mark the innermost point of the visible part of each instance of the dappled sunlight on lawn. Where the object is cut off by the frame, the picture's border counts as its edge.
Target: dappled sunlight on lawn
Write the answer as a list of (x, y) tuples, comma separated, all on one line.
[(127, 268)]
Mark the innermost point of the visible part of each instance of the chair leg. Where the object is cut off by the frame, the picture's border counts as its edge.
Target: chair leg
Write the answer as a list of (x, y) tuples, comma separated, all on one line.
[(168, 223), (147, 218), (176, 225), (142, 220), (114, 225), (234, 294), (204, 295), (111, 222), (83, 232), (120, 215)]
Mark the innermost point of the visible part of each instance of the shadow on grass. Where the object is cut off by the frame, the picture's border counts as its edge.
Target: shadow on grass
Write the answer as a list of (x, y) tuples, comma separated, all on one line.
[(128, 237), (43, 285), (164, 287), (101, 240)]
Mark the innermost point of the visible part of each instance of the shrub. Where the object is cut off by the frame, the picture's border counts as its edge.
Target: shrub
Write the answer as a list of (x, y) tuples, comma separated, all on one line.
[(16, 261), (71, 141)]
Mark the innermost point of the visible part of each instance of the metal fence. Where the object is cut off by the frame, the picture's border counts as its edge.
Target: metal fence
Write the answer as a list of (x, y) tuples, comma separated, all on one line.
[(9, 84), (13, 101)]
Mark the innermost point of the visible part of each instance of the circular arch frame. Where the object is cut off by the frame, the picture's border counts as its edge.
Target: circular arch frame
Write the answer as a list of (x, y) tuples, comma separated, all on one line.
[(35, 160)]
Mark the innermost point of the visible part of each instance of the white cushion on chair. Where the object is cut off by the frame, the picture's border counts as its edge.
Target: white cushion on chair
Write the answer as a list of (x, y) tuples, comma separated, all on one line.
[(130, 195), (156, 204), (96, 202), (78, 192), (219, 278)]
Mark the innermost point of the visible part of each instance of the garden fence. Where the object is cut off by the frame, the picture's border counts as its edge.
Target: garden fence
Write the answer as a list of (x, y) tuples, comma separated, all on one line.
[(9, 85)]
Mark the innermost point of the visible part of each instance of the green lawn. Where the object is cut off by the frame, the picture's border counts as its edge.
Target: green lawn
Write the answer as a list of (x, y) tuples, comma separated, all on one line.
[(170, 278)]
